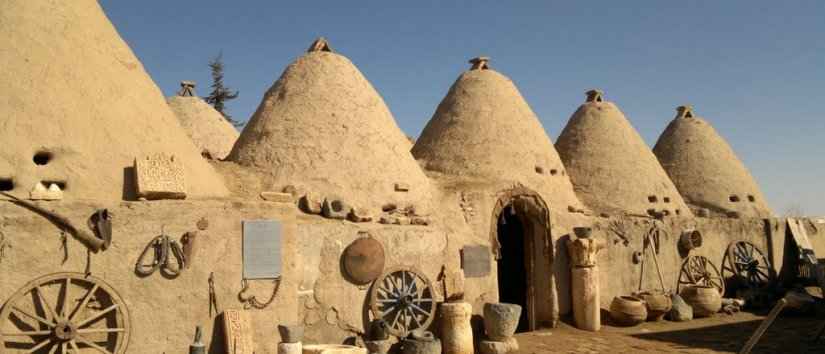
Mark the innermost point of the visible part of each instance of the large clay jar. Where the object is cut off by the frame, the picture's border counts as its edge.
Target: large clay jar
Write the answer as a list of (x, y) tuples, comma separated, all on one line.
[(704, 299), (628, 311), (658, 304), (501, 320), (456, 332), (421, 345)]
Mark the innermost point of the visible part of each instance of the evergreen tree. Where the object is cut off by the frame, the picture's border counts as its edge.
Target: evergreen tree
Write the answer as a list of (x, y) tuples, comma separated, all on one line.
[(220, 94)]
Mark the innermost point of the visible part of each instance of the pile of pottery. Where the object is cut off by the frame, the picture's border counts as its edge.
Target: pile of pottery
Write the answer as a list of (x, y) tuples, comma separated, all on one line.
[(642, 306), (500, 323)]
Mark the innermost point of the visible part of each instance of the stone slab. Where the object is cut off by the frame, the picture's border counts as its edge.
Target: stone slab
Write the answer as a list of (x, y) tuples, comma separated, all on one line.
[(475, 260), (261, 249), (159, 176)]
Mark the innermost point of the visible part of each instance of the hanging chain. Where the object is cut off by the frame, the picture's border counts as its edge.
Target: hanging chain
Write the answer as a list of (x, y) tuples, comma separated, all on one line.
[(252, 301)]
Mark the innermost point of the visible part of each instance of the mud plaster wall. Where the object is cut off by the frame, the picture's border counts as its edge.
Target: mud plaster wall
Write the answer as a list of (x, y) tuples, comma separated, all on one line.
[(164, 312), (619, 275)]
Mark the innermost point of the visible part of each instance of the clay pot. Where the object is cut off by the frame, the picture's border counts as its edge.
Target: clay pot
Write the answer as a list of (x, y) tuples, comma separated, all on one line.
[(690, 239), (628, 310), (290, 348), (501, 320), (424, 343), (704, 299), (381, 346), (291, 334), (658, 304), (456, 333)]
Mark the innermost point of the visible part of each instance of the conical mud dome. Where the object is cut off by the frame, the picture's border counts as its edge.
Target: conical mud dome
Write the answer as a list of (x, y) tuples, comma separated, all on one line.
[(324, 127), (611, 167), (706, 170), (484, 128), (77, 107), (207, 128)]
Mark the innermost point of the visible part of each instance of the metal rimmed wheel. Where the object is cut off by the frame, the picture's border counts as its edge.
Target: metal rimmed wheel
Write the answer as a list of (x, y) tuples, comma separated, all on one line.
[(698, 270), (403, 297), (746, 266), (64, 313)]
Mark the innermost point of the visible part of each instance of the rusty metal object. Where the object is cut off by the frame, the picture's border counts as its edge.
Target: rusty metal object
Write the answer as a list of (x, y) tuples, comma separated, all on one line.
[(364, 260), (698, 270), (93, 243), (80, 312), (189, 242), (166, 255), (404, 298), (690, 239)]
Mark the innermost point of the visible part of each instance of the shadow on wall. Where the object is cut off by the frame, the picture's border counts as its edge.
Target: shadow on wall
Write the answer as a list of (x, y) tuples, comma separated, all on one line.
[(561, 268)]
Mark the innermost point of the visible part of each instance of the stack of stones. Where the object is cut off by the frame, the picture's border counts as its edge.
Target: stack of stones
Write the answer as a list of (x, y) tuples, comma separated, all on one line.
[(290, 339), (500, 323)]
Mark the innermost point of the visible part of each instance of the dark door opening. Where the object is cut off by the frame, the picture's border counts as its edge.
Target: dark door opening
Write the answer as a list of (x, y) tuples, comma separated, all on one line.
[(512, 265)]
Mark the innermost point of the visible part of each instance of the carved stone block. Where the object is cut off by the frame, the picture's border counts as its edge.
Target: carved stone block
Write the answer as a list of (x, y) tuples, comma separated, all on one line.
[(160, 176)]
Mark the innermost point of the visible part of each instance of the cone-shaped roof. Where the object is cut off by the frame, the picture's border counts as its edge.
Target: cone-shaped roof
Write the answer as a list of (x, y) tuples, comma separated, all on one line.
[(74, 92), (485, 128), (207, 128), (705, 169), (613, 170), (323, 126)]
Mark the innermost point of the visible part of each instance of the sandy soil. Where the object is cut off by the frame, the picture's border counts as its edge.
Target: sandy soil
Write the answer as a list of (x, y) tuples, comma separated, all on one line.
[(720, 334)]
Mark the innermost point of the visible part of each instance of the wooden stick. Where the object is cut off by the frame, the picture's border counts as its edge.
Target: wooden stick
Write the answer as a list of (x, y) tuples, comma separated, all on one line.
[(767, 322)]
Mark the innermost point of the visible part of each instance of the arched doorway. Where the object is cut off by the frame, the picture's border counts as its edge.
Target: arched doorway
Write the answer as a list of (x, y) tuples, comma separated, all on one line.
[(524, 253)]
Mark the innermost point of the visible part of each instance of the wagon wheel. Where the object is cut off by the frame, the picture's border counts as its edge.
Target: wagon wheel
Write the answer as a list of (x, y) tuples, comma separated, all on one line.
[(63, 313), (698, 270), (403, 297), (747, 266)]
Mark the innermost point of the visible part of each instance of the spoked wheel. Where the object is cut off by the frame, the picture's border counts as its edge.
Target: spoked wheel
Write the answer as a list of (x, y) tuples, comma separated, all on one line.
[(746, 266), (698, 270), (403, 297), (64, 313)]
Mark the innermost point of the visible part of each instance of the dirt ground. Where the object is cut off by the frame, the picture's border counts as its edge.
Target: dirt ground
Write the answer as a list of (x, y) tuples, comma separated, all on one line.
[(719, 334)]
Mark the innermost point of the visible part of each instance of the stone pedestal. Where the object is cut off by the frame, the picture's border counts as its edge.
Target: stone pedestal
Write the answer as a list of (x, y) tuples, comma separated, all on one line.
[(290, 348), (332, 349), (456, 333), (508, 345), (583, 253), (586, 303)]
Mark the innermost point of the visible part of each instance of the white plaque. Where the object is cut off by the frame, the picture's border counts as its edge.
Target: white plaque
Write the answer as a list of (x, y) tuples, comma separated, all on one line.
[(261, 249)]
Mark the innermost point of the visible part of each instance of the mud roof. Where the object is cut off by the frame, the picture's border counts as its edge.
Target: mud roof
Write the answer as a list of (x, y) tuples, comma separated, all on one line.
[(324, 127), (78, 107), (612, 169), (207, 128), (484, 128), (705, 168)]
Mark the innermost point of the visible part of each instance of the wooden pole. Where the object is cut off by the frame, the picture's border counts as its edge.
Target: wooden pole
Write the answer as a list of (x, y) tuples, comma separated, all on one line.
[(766, 323)]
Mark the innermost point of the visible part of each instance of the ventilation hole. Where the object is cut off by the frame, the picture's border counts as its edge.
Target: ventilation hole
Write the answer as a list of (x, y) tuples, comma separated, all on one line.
[(652, 199), (42, 157), (651, 212), (678, 212), (665, 212), (734, 198), (751, 198), (540, 170), (337, 206), (6, 184), (553, 172), (61, 184), (667, 199), (563, 173)]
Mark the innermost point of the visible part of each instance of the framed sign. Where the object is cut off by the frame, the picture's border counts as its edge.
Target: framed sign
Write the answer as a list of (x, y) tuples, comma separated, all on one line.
[(475, 260), (261, 249)]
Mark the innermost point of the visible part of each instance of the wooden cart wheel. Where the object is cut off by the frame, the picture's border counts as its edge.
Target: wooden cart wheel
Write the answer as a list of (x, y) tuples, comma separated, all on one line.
[(403, 297), (698, 270), (747, 266), (64, 313)]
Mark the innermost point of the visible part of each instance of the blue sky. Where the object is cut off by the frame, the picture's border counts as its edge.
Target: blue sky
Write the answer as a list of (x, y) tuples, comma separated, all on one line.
[(754, 69)]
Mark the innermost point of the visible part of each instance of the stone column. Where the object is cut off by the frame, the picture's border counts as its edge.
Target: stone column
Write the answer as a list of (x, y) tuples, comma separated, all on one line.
[(585, 279), (456, 333)]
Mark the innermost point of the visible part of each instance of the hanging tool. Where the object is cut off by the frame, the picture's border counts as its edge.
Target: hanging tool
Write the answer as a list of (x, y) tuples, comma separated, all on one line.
[(167, 256), (213, 298), (93, 243)]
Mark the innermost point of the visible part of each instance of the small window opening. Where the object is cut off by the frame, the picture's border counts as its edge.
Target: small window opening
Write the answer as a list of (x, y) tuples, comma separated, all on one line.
[(678, 212), (61, 184), (42, 158), (652, 199), (336, 205), (540, 170), (751, 198), (6, 184), (651, 212), (734, 198), (553, 172), (667, 199)]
